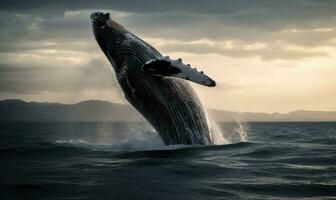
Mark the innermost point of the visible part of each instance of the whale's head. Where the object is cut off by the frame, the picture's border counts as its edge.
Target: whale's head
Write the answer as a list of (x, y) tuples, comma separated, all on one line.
[(107, 32), (103, 24)]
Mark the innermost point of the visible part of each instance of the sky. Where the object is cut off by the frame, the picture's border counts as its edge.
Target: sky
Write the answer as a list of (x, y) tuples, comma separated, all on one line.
[(266, 56)]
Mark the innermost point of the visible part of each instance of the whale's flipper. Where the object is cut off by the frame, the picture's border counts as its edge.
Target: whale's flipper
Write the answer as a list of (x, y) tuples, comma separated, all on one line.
[(175, 68)]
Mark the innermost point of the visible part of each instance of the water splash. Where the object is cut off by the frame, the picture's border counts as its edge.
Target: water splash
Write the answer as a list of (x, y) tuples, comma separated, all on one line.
[(216, 133), (140, 136), (219, 136), (241, 130), (107, 136)]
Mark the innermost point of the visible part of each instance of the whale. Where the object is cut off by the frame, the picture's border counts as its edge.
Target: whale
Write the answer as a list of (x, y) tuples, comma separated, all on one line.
[(155, 85)]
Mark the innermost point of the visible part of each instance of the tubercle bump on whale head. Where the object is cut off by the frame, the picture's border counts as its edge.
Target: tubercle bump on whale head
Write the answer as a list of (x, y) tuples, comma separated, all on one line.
[(100, 16), (102, 23)]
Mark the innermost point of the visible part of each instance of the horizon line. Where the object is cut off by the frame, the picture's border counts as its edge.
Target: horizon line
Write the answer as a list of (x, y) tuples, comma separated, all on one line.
[(99, 100)]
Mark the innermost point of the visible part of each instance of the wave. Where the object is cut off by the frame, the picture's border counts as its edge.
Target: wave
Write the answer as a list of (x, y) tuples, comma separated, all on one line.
[(143, 137), (128, 145)]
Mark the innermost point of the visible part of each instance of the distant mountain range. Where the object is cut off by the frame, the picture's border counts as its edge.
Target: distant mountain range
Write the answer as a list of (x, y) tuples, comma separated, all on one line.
[(93, 110), (84, 111)]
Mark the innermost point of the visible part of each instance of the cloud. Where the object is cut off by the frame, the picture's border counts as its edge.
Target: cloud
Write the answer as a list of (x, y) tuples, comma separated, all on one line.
[(35, 77), (240, 49), (252, 21), (72, 31), (47, 47), (254, 14), (228, 7)]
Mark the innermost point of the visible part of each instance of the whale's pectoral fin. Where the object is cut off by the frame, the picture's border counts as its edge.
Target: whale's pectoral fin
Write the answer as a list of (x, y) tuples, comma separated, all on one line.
[(175, 68)]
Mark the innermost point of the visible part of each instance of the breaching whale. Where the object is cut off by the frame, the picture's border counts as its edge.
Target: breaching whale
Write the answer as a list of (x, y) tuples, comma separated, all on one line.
[(155, 85)]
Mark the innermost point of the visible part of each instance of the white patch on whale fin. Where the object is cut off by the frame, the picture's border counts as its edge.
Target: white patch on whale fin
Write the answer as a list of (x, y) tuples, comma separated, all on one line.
[(175, 68)]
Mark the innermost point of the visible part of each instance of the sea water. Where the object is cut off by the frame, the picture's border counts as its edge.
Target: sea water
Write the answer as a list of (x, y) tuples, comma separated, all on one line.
[(103, 160)]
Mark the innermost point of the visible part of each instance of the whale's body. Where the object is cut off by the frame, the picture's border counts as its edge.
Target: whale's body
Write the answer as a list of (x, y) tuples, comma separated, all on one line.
[(166, 101)]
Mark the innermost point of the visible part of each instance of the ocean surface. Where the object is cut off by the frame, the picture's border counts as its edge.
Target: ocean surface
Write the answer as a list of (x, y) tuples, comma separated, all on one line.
[(102, 160)]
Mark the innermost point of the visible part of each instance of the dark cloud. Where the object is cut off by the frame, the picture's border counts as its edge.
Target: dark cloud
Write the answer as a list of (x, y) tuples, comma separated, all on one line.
[(302, 8), (35, 26), (273, 52), (186, 20), (253, 13), (14, 26), (36, 78)]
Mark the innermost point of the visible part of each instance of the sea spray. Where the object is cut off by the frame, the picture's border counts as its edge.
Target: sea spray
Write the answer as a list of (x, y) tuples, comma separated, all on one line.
[(142, 135), (134, 136), (113, 136), (220, 136), (216, 134), (238, 133), (241, 130)]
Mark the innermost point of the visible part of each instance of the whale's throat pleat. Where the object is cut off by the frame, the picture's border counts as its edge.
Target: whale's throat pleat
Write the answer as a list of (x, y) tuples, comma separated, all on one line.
[(129, 51), (170, 105)]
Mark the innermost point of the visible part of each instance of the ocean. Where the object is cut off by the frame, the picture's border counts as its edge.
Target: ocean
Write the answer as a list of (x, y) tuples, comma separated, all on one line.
[(105, 160)]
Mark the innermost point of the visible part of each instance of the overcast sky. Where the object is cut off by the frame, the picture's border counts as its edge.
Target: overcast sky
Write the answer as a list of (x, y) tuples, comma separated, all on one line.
[(266, 56)]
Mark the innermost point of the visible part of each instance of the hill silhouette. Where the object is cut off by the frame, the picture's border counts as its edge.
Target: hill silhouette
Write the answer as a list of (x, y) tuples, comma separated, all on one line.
[(94, 110)]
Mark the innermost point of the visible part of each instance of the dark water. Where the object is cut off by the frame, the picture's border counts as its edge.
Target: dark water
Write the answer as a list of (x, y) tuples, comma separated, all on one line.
[(128, 161)]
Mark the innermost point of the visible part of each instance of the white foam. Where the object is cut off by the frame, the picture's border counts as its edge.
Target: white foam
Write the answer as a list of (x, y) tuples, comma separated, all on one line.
[(137, 137), (241, 130), (220, 137)]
